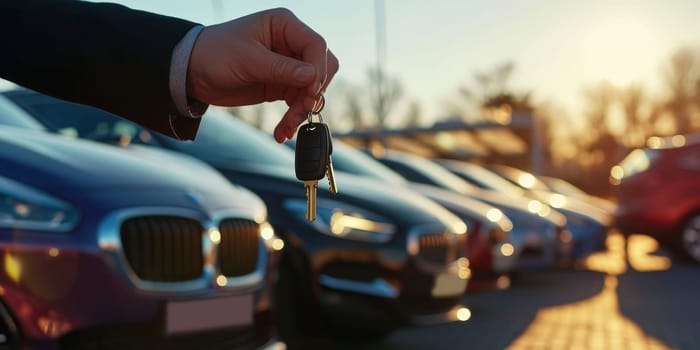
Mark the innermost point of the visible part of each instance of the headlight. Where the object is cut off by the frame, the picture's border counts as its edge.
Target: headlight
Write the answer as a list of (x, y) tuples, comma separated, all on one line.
[(338, 219), (267, 233), (557, 200), (23, 207)]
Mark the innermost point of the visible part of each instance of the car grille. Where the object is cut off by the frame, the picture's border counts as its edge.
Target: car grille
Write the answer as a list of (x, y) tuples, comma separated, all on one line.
[(163, 248), (238, 251), (434, 248)]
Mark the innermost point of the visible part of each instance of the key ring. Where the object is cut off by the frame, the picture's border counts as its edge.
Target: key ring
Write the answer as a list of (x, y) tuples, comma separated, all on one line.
[(316, 110)]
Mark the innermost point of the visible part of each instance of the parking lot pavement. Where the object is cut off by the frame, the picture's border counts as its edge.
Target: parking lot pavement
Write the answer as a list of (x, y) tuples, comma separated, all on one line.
[(613, 300)]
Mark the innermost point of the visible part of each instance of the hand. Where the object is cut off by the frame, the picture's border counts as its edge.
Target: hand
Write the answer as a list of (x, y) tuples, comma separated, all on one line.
[(266, 56)]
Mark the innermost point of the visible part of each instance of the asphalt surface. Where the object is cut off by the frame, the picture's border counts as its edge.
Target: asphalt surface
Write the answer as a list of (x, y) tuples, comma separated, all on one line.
[(632, 296)]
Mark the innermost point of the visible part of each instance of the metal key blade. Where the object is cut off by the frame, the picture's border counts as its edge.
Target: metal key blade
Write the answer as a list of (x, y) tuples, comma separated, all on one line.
[(311, 188), (333, 186)]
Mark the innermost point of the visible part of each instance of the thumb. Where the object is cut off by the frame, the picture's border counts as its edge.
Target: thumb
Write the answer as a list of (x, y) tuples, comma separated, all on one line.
[(279, 69)]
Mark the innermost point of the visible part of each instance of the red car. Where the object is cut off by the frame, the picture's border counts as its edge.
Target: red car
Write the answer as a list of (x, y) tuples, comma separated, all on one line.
[(658, 193)]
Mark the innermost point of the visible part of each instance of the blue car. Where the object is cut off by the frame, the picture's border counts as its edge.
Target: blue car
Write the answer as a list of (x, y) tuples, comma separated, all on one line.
[(376, 257), (535, 237), (103, 248), (587, 224)]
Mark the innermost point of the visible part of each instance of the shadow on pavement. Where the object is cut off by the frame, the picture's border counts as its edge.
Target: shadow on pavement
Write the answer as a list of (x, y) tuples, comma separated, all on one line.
[(500, 317), (627, 297), (664, 302)]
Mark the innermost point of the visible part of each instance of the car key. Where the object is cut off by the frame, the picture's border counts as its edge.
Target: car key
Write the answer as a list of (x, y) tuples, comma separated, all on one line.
[(311, 160), (332, 185)]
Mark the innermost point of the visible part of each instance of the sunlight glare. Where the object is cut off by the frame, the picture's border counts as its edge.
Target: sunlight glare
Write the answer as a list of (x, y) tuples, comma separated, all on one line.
[(215, 235), (617, 172), (13, 267), (494, 214), (618, 46), (277, 244), (557, 200), (266, 231), (507, 249), (640, 253), (534, 206), (463, 314), (459, 228), (654, 142), (526, 180), (221, 280), (678, 140)]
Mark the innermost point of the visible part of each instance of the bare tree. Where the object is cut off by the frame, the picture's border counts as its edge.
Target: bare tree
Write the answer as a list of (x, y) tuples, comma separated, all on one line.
[(682, 77), (354, 109), (637, 123), (492, 89), (387, 92), (599, 100)]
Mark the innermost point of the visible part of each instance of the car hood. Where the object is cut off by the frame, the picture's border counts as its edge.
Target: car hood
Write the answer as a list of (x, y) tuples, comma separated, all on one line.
[(67, 166), (516, 203), (576, 206), (463, 205), (396, 202)]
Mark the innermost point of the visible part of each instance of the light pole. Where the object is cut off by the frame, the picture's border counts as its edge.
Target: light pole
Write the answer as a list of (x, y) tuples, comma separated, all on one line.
[(380, 31)]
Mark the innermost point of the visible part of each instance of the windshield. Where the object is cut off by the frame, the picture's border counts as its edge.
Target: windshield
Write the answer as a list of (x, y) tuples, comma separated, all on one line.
[(520, 178), (484, 178), (222, 138), (75, 120), (11, 115), (419, 169), (350, 160), (562, 186)]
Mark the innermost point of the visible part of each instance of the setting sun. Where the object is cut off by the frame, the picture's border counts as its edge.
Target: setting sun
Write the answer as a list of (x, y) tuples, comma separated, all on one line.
[(619, 47)]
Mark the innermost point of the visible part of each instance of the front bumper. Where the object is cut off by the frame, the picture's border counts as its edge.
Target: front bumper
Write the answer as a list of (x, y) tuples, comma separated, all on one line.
[(431, 270), (75, 297), (535, 249), (79, 287)]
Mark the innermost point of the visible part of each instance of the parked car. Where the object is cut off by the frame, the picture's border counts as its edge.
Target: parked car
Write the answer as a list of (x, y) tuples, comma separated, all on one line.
[(587, 226), (536, 188), (103, 248), (658, 193), (490, 252), (566, 188), (374, 259), (534, 236)]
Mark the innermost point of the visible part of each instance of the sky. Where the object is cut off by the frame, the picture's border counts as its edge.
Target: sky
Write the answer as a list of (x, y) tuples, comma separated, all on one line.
[(433, 47)]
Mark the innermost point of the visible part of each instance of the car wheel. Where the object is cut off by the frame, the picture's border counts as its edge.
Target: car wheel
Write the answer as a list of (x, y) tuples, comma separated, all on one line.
[(9, 333), (690, 238), (297, 309)]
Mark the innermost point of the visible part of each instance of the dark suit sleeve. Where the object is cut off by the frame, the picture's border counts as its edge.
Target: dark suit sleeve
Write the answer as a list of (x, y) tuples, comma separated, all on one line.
[(104, 55)]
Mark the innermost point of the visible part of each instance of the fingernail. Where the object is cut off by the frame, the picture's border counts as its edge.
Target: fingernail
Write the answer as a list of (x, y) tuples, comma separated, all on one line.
[(278, 136), (304, 73)]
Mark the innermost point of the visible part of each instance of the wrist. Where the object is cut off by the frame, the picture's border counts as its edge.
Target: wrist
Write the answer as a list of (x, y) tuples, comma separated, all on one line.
[(180, 84)]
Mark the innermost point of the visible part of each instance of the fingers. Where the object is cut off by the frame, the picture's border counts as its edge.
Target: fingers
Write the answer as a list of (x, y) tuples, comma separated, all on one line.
[(291, 34), (286, 128), (291, 120), (282, 70)]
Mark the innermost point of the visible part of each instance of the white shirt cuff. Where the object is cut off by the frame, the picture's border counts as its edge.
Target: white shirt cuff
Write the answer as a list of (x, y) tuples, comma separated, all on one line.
[(178, 76)]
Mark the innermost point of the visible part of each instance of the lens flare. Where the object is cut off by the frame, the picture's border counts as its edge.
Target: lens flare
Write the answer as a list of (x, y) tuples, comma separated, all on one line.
[(277, 244), (215, 236), (464, 314), (507, 249), (221, 280)]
